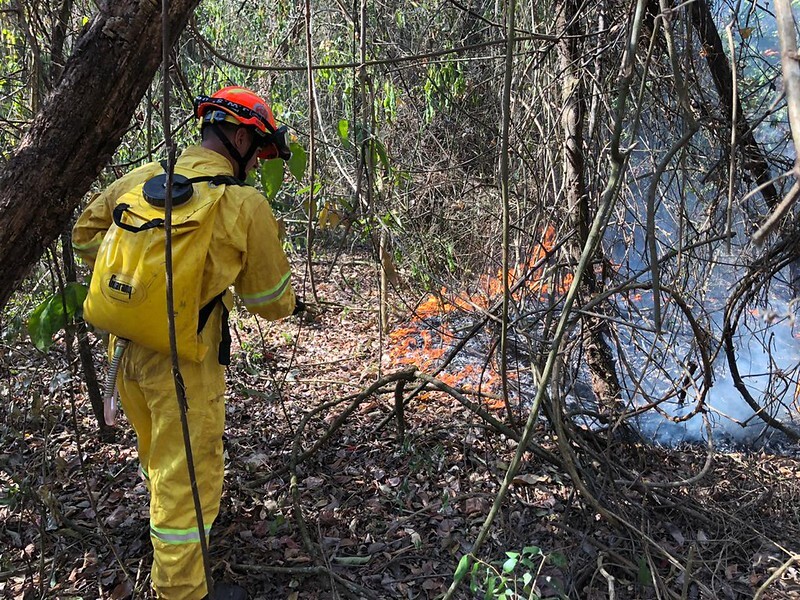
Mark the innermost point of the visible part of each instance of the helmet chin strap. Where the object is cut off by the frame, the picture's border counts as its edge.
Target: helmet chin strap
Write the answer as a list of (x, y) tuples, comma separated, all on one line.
[(241, 161)]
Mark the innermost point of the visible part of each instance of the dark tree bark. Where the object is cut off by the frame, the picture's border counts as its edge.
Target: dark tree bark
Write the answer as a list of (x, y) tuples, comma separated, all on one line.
[(599, 357), (106, 433), (754, 160), (78, 128)]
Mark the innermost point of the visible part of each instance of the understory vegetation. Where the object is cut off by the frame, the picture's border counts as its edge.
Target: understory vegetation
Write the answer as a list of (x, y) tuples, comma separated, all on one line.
[(544, 356)]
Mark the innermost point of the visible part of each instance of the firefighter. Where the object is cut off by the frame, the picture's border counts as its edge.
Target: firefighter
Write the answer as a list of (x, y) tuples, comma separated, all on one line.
[(237, 129)]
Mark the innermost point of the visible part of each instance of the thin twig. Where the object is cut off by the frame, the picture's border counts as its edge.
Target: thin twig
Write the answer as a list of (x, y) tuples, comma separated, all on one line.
[(734, 116), (355, 65), (775, 576), (180, 388), (312, 158)]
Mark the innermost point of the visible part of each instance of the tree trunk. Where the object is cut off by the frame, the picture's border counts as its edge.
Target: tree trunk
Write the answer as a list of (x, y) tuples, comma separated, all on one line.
[(599, 357), (78, 128)]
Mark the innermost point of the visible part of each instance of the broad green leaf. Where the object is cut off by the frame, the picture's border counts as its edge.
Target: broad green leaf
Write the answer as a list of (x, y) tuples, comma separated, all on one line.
[(42, 324), (462, 568), (343, 129), (531, 550), (49, 317), (509, 565), (272, 177), (298, 162)]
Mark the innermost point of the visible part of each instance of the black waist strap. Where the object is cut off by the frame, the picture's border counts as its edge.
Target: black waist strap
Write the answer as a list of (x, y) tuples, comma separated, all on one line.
[(224, 352)]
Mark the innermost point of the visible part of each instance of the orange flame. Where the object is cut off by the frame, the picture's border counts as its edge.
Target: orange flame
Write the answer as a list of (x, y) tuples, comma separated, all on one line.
[(416, 344)]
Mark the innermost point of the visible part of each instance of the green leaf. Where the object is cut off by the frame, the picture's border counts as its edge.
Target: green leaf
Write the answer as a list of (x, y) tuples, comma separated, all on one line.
[(644, 575), (473, 582), (557, 559), (272, 177), (343, 129), (526, 579), (380, 150), (531, 550), (307, 189), (298, 162), (509, 565), (462, 568), (491, 584), (49, 317)]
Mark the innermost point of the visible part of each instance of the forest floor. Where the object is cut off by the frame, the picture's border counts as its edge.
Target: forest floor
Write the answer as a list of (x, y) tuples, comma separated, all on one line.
[(386, 518)]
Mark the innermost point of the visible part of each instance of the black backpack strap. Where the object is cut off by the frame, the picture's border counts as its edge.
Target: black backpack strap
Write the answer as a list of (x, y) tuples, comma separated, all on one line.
[(117, 216), (224, 352), (217, 180), (212, 179)]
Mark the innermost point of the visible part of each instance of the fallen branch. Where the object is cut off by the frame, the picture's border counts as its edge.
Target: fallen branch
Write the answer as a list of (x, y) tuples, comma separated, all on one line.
[(776, 575)]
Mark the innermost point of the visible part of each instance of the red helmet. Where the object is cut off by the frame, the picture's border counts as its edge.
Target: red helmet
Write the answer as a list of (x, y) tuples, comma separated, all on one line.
[(241, 106)]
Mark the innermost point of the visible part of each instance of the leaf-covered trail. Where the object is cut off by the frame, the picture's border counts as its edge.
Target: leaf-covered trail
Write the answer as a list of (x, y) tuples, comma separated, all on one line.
[(385, 518)]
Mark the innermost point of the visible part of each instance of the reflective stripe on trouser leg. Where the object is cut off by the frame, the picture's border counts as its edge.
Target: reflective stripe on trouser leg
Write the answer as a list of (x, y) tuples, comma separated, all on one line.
[(178, 560), (177, 572)]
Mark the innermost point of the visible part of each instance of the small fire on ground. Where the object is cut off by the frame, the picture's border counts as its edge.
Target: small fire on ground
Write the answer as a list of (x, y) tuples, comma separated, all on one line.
[(441, 321)]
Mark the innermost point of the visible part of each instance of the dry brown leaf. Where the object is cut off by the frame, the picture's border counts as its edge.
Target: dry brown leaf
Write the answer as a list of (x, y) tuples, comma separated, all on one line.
[(529, 479)]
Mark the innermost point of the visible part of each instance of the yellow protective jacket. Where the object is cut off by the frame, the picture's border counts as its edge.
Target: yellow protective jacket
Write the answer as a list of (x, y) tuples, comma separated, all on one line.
[(245, 249)]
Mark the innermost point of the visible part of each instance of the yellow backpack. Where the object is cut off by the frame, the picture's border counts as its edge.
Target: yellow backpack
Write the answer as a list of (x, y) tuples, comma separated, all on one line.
[(128, 292)]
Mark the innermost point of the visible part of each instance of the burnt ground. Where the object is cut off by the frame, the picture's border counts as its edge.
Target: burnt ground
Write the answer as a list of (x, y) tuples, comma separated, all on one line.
[(370, 515)]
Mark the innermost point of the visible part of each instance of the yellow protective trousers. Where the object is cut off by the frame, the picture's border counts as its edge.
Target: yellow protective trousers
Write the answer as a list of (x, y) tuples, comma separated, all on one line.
[(148, 398)]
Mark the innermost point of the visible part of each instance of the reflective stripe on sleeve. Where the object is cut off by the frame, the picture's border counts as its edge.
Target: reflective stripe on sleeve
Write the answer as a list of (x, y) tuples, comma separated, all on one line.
[(267, 296), (177, 536), (143, 473), (95, 243)]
